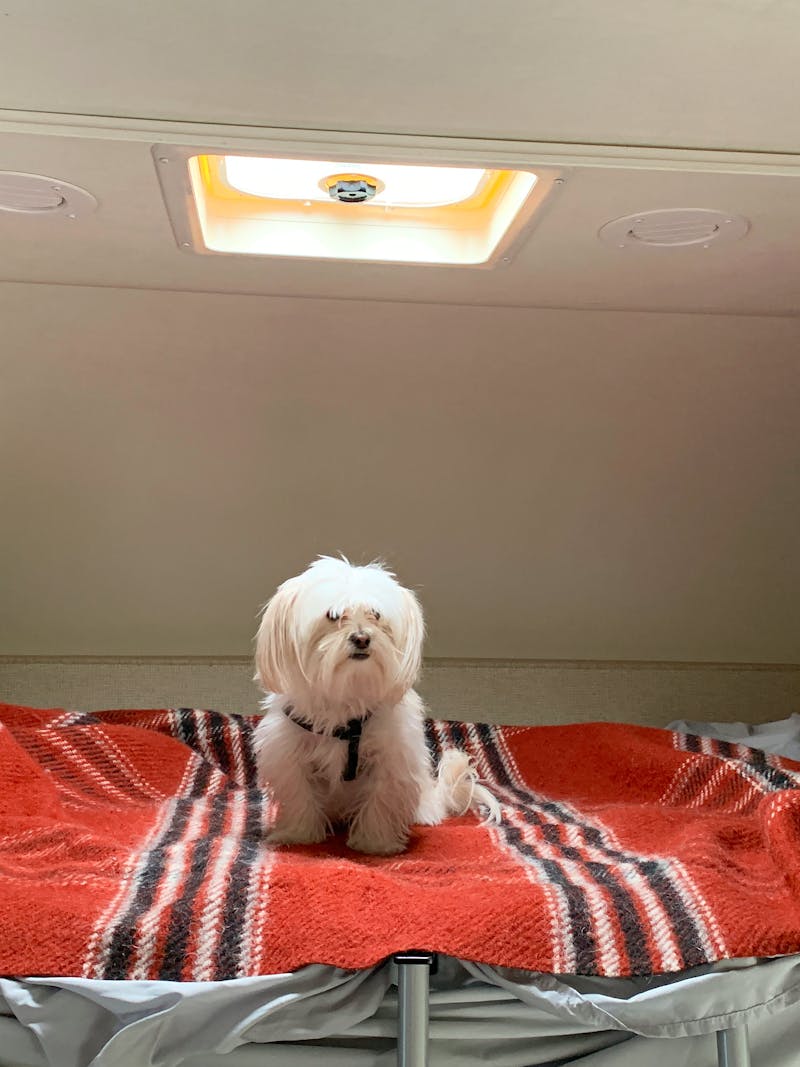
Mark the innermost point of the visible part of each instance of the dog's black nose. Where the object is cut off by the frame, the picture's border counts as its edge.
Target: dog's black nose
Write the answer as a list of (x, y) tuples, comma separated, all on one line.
[(360, 640)]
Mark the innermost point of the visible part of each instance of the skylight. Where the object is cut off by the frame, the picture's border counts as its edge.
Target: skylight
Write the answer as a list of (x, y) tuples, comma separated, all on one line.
[(358, 211)]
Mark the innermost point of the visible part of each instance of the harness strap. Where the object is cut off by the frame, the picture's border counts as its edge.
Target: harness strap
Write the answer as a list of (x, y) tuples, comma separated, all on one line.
[(350, 732)]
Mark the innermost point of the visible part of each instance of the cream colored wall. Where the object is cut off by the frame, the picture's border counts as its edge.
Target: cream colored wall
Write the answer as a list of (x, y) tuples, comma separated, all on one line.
[(495, 691), (556, 485)]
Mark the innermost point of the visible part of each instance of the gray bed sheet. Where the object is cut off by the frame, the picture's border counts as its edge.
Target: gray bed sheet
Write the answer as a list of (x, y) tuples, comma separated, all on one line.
[(781, 737), (479, 1014)]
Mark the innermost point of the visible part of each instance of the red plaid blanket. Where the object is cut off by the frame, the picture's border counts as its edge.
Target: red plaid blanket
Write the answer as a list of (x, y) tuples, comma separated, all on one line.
[(133, 847)]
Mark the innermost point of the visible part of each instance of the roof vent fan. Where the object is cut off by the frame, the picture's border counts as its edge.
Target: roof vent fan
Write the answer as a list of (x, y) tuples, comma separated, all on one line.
[(35, 194), (674, 228)]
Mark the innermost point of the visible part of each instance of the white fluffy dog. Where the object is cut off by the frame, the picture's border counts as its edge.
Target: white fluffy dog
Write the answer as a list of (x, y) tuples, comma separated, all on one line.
[(343, 742)]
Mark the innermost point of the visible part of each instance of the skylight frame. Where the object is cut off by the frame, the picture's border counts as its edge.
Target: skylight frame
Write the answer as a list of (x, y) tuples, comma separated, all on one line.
[(201, 226)]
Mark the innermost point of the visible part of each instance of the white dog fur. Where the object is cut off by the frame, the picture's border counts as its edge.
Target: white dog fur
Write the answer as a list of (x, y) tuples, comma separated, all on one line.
[(339, 643)]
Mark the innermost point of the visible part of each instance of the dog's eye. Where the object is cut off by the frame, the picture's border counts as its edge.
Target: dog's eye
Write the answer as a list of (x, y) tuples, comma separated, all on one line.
[(376, 616), (333, 615)]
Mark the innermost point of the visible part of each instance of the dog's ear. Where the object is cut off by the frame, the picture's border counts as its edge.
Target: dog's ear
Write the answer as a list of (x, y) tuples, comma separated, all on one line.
[(410, 639), (276, 641)]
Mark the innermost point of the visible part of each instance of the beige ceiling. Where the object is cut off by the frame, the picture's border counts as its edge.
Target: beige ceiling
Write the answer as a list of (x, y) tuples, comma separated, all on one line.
[(683, 73), (128, 242), (589, 453)]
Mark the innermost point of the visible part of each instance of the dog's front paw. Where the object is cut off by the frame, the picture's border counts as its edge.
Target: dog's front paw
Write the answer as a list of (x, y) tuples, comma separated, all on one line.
[(308, 832), (374, 843)]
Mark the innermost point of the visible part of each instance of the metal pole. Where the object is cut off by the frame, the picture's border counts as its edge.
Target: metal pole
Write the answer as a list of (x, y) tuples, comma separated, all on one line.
[(413, 972), (733, 1049)]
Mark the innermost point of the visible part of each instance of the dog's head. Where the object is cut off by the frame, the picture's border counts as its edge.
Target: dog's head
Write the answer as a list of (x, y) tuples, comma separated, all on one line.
[(339, 634)]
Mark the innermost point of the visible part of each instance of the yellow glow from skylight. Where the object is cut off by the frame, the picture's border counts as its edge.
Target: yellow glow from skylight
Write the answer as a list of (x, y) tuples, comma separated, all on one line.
[(437, 214), (400, 185)]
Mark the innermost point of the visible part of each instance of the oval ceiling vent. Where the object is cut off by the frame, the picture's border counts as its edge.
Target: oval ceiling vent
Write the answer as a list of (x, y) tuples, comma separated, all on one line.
[(34, 194), (674, 228)]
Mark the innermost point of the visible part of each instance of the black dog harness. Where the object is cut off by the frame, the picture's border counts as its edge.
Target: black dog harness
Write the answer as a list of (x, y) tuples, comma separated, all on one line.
[(350, 732)]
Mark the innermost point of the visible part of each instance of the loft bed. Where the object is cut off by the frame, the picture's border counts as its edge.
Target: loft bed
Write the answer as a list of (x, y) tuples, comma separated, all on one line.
[(642, 885)]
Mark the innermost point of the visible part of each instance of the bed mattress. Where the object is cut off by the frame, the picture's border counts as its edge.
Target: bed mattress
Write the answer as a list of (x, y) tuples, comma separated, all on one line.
[(479, 1013)]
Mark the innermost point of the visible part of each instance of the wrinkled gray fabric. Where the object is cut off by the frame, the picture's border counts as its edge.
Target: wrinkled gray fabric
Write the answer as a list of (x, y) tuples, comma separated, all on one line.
[(478, 1015), (700, 1001), (781, 738), (78, 1022)]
